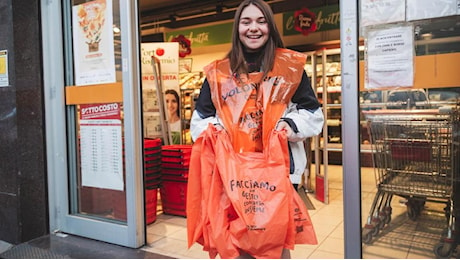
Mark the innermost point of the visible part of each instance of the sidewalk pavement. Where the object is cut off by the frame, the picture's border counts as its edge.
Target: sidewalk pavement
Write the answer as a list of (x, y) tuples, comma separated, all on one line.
[(63, 246)]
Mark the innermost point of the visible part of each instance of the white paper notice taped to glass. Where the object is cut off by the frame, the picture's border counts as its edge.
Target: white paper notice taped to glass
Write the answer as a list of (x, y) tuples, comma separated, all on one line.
[(101, 154), (390, 57), (382, 11), (101, 146), (424, 9)]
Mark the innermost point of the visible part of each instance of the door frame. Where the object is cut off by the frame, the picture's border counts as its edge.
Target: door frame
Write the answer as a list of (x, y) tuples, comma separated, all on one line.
[(132, 232)]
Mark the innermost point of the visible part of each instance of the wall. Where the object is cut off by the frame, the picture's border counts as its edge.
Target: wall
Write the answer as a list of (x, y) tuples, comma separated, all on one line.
[(201, 58), (23, 201)]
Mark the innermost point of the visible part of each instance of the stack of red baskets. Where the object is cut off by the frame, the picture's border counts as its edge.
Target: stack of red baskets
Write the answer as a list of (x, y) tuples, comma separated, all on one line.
[(152, 178), (175, 161)]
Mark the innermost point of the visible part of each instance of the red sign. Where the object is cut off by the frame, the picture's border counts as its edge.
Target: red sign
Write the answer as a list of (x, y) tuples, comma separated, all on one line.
[(185, 46), (305, 21), (100, 111)]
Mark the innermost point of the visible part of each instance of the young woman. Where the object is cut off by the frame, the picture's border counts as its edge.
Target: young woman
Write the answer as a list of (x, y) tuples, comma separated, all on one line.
[(243, 93), (172, 104)]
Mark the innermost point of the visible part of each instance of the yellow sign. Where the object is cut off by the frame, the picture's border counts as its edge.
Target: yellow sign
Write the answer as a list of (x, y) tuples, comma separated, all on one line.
[(2, 64), (4, 81)]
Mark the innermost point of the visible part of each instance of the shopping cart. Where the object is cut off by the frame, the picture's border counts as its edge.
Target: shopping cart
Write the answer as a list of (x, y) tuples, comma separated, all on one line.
[(416, 157)]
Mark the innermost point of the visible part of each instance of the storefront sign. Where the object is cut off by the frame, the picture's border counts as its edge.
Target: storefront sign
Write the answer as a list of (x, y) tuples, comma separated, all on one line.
[(382, 11), (204, 36), (327, 18), (94, 55), (185, 45), (305, 21), (101, 146), (390, 57), (4, 80)]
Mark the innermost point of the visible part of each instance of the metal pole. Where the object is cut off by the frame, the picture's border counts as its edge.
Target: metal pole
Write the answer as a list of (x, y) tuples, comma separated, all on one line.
[(325, 128), (349, 43), (165, 132)]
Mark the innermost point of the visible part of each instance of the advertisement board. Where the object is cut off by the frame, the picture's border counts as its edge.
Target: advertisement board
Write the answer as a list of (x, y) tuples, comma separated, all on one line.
[(168, 55)]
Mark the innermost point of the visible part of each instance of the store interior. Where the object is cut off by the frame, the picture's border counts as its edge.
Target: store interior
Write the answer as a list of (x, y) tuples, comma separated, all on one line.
[(405, 237)]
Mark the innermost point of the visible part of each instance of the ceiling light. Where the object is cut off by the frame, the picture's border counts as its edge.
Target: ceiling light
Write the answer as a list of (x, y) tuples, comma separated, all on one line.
[(116, 29)]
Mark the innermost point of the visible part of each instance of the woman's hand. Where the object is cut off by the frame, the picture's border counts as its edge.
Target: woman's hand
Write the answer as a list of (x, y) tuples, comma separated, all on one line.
[(218, 127), (283, 126)]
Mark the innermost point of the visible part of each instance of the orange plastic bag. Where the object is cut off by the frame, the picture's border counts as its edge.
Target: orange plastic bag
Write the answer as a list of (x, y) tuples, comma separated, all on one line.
[(208, 209), (251, 105), (239, 196), (245, 201)]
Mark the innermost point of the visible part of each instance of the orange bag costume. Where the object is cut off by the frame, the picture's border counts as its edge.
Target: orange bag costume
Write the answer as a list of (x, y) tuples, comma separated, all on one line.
[(239, 195)]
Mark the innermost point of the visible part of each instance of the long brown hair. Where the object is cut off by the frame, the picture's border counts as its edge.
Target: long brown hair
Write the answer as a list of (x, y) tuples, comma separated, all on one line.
[(236, 56)]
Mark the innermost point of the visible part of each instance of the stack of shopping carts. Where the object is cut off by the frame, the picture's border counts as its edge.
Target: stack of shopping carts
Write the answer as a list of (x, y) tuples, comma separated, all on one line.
[(416, 156)]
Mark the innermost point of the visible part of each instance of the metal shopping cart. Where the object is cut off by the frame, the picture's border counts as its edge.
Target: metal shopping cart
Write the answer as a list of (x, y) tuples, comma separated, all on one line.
[(416, 156)]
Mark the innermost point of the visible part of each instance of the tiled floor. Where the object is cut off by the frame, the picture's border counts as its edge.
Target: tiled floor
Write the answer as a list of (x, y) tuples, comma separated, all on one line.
[(402, 238)]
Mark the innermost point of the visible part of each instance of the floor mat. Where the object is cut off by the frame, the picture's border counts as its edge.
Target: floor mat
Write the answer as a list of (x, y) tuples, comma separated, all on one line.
[(26, 251)]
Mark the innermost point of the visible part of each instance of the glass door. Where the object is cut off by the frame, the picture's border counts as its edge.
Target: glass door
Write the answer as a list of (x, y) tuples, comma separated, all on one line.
[(95, 134)]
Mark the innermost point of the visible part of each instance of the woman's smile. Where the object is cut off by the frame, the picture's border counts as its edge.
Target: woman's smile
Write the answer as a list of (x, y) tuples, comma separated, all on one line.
[(253, 28)]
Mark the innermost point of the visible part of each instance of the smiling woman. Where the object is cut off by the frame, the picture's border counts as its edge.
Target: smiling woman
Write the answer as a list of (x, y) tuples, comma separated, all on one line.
[(254, 100), (253, 29)]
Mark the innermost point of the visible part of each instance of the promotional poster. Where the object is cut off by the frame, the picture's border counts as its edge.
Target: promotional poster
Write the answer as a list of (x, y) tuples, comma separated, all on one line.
[(167, 53), (93, 43)]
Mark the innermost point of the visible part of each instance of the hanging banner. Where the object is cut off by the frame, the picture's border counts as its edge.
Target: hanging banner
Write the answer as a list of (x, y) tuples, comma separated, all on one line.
[(168, 54), (203, 36), (390, 57), (424, 9), (101, 146), (382, 11), (93, 43)]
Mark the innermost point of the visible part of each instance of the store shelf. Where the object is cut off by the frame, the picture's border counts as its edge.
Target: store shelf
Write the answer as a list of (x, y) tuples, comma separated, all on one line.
[(190, 85)]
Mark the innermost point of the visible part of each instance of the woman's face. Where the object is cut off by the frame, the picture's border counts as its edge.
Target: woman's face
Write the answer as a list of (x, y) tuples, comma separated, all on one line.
[(171, 103), (253, 28)]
